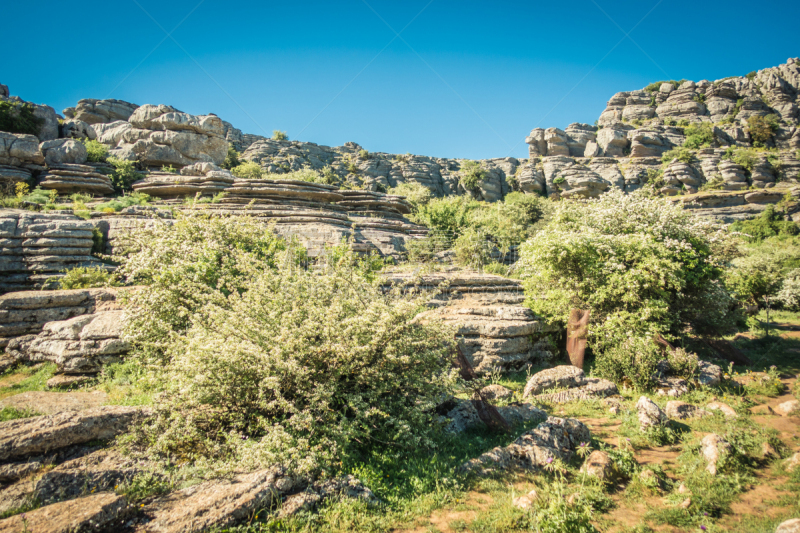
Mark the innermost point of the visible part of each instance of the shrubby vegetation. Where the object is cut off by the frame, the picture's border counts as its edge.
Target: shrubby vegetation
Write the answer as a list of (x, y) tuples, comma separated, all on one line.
[(95, 150), (124, 174), (86, 278), (642, 266), (762, 129), (472, 175), (263, 361), (249, 170), (19, 118), (682, 154), (279, 135), (699, 135)]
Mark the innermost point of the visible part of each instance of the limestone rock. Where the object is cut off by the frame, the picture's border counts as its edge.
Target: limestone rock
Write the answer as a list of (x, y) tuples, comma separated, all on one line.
[(592, 388), (793, 462), (208, 181), (537, 146), (788, 408), (98, 471), (789, 526), (67, 381), (79, 345), (496, 392), (77, 129), (14, 471), (723, 408), (63, 151), (525, 501), (10, 176), (681, 410), (215, 504), (650, 414), (555, 438), (87, 513), (710, 375), (69, 178), (713, 448), (613, 142), (93, 111), (561, 376), (20, 150), (341, 487), (30, 436), (598, 465), (51, 403)]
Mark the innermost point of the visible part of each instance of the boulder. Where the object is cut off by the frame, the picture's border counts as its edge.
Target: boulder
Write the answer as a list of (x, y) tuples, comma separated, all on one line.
[(496, 392), (789, 526), (563, 376), (83, 514), (793, 462), (63, 151), (788, 408), (613, 142), (79, 345), (714, 447), (681, 410), (598, 465), (93, 111), (77, 129), (555, 438), (709, 375), (650, 415), (30, 436), (20, 150), (338, 488), (525, 501)]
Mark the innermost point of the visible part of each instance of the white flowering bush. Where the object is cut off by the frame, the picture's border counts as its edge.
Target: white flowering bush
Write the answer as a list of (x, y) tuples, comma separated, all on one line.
[(184, 265), (789, 294), (260, 360), (641, 265)]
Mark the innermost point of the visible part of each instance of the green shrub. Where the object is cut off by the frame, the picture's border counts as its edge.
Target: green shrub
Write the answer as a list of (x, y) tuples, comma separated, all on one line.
[(37, 196), (86, 278), (414, 192), (655, 87), (189, 263), (682, 154), (472, 175), (699, 135), (473, 249), (170, 169), (278, 135), (751, 75), (124, 174), (449, 215), (301, 367), (618, 257), (95, 150), (636, 359), (121, 202), (789, 294), (511, 221), (762, 129), (761, 268), (363, 154), (231, 159), (770, 223), (249, 170), (19, 118), (304, 174)]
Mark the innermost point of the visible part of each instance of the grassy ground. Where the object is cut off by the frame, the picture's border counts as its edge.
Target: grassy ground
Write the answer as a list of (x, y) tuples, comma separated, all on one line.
[(661, 484)]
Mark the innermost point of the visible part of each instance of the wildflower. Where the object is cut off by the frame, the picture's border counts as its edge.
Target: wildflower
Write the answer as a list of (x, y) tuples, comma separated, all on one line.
[(703, 528), (549, 460)]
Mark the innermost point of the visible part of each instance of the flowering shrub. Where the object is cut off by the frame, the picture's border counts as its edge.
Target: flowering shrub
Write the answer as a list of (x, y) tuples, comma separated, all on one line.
[(641, 265), (186, 265), (789, 294), (302, 367)]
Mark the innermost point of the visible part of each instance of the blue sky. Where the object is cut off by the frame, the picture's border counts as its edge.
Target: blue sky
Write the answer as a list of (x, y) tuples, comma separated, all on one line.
[(464, 79)]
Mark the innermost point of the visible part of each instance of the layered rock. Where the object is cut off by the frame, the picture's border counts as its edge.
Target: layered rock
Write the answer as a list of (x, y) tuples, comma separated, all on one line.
[(93, 111), (26, 312), (39, 246), (44, 113), (79, 345), (162, 135), (205, 179), (70, 178), (19, 153)]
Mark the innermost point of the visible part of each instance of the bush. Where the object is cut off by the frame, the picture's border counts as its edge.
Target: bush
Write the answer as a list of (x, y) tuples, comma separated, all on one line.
[(760, 271), (278, 135), (95, 150), (511, 221), (770, 223), (473, 249), (19, 118), (300, 367), (641, 265), (121, 202), (189, 263), (124, 174), (762, 129), (414, 192), (699, 135), (682, 154), (363, 154), (231, 159), (86, 278), (634, 359), (304, 174), (249, 170), (446, 216), (789, 293), (655, 87), (472, 175)]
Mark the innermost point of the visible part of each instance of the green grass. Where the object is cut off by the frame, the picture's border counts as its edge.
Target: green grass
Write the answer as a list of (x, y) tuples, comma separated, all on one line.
[(35, 380), (12, 413)]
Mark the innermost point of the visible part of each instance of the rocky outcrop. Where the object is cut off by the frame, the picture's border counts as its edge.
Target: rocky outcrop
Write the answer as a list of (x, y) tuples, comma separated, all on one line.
[(540, 386), (650, 415), (206, 179), (19, 154), (52, 403), (80, 345), (84, 514), (555, 438), (563, 376), (39, 246), (31, 436), (44, 113), (26, 312), (713, 448), (162, 135), (63, 151), (93, 111), (71, 178)]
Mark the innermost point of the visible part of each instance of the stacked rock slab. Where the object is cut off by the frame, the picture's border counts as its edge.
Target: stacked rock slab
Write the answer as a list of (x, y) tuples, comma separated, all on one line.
[(93, 111), (19, 157), (493, 329), (66, 179), (39, 246), (26, 312), (205, 179)]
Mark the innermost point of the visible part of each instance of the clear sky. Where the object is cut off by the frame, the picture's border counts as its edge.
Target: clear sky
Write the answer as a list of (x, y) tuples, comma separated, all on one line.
[(462, 79)]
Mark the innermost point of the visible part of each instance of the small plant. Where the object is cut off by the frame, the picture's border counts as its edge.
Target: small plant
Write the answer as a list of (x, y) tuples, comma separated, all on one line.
[(558, 180), (18, 117), (121, 202), (249, 170), (472, 175), (473, 249), (124, 174), (762, 129), (95, 150), (682, 154), (231, 159), (22, 189), (86, 278), (278, 135), (415, 193), (699, 135), (751, 75), (363, 154), (169, 169)]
